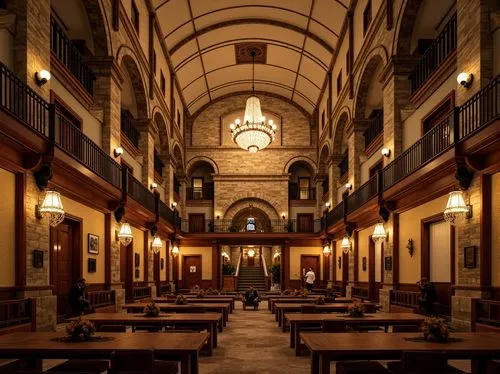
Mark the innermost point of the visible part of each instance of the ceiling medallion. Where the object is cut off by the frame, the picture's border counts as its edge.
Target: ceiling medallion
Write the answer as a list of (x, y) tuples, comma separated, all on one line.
[(253, 134)]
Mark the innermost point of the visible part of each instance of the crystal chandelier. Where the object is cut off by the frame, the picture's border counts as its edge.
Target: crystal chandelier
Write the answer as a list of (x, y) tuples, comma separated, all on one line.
[(52, 208), (379, 233), (456, 210), (345, 245), (125, 234), (157, 244), (254, 133)]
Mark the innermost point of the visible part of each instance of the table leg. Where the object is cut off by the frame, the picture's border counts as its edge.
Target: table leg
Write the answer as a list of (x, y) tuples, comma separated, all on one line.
[(194, 363), (314, 363), (292, 335), (185, 364), (215, 335), (211, 330), (220, 325), (324, 364), (283, 321), (479, 366), (224, 316), (277, 317), (386, 328), (32, 364), (297, 339)]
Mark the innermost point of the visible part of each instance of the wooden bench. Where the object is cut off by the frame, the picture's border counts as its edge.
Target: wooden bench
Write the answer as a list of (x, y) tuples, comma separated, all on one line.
[(17, 315)]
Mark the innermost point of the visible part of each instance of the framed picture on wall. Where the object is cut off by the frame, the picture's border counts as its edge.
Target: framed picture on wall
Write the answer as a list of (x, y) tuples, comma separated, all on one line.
[(137, 273), (137, 260), (340, 262), (388, 263), (162, 263), (93, 244), (92, 265), (364, 263), (37, 259), (470, 257)]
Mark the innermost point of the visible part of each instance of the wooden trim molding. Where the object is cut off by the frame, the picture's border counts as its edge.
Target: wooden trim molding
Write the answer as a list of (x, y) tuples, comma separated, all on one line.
[(450, 97), (485, 231), (20, 230)]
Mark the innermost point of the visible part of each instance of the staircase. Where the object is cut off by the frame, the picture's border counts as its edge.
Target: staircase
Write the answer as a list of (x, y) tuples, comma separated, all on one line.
[(251, 275)]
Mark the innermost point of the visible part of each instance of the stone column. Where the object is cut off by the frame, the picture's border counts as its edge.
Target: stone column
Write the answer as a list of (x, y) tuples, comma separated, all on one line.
[(7, 35), (356, 146), (114, 266), (331, 265), (150, 264), (318, 186), (334, 175), (148, 133), (390, 249), (181, 205)]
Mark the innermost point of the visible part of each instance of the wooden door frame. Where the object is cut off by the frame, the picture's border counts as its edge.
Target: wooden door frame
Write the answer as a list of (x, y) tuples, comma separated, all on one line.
[(184, 269), (317, 281), (371, 268)]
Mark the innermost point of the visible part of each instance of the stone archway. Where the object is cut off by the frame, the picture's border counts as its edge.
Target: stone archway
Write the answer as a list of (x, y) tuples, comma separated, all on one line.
[(253, 203), (262, 222)]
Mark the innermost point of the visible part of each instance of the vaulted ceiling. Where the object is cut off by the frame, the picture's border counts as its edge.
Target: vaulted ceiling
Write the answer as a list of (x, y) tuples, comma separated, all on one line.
[(295, 38)]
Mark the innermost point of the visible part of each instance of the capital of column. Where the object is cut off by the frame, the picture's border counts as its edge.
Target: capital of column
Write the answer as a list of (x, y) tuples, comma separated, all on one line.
[(106, 67), (147, 125), (357, 126), (7, 21), (397, 66)]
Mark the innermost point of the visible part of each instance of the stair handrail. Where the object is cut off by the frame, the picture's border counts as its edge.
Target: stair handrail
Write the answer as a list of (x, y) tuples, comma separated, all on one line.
[(264, 265), (238, 266)]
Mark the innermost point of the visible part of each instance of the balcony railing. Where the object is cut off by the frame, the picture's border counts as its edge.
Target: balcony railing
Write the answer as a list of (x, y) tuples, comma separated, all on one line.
[(140, 193), (344, 164), (64, 49), (425, 149), (21, 102), (17, 312), (486, 312), (301, 193), (335, 215), (408, 299), (166, 213), (99, 299), (128, 129), (438, 51), (276, 226), (200, 193), (158, 164), (77, 144), (364, 193), (375, 128)]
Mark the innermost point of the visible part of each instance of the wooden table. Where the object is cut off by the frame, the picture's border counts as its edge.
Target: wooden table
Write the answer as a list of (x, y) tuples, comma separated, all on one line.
[(232, 298), (174, 308), (300, 300), (35, 346), (200, 300), (208, 321), (298, 320), (478, 347)]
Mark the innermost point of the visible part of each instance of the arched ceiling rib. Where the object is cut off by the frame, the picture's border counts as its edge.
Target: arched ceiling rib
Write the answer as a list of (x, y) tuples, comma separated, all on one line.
[(299, 36)]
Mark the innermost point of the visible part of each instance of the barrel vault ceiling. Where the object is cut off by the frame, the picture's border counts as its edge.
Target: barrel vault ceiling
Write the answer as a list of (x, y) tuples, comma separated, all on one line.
[(295, 38)]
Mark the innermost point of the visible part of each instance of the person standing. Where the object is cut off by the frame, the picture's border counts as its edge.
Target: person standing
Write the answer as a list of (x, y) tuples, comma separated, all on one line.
[(310, 278), (77, 300)]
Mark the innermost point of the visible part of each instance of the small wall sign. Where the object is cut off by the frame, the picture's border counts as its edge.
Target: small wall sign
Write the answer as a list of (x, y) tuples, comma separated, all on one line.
[(192, 269), (92, 265), (364, 263), (37, 259), (388, 263), (470, 257)]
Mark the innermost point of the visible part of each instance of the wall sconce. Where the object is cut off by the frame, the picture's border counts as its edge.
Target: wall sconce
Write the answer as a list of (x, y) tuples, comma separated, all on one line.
[(410, 248), (154, 186), (174, 205), (251, 253), (465, 79), (348, 186), (42, 77), (457, 210), (326, 250), (124, 235), (386, 152), (51, 208), (327, 205), (175, 250), (379, 233), (345, 245), (156, 245), (283, 215), (118, 151)]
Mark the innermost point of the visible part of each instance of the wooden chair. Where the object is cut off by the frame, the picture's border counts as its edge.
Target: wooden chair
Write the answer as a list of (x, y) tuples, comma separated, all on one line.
[(333, 326), (415, 362), (406, 328), (360, 367), (307, 309), (132, 361), (79, 366), (113, 328)]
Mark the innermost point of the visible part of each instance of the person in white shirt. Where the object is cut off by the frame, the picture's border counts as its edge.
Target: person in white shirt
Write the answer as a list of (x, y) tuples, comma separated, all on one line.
[(310, 278)]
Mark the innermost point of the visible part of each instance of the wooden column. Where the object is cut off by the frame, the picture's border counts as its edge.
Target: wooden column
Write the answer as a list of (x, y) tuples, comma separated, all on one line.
[(356, 257), (215, 265), (156, 272), (107, 249), (395, 249), (20, 233), (146, 256), (485, 232)]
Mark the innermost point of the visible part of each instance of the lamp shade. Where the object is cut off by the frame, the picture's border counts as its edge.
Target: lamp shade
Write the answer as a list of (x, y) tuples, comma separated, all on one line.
[(326, 250), (175, 250), (157, 244), (345, 245), (379, 232), (125, 234), (52, 208), (456, 210)]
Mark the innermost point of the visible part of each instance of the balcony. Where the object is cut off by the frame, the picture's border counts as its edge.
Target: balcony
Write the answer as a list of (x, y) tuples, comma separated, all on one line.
[(137, 191), (166, 213), (362, 195), (66, 52), (128, 129), (435, 55), (375, 128), (300, 193), (200, 193), (335, 215)]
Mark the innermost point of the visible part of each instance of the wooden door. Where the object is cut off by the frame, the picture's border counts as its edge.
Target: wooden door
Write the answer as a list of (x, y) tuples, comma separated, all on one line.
[(305, 222), (191, 271), (197, 222), (310, 261), (61, 264), (250, 261)]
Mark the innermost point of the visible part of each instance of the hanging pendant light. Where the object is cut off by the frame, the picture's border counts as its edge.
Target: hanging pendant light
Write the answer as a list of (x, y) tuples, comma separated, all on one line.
[(51, 208), (456, 210), (345, 245), (379, 233), (157, 244), (326, 250), (254, 134), (251, 253), (125, 234), (175, 250)]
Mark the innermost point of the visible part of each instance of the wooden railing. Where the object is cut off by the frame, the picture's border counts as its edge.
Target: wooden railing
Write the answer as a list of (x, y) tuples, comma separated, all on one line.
[(200, 193), (275, 225), (77, 144), (99, 299), (141, 194), (21, 102), (18, 312), (166, 213), (408, 299), (360, 292), (141, 292), (424, 150), (364, 193), (375, 128), (343, 165), (438, 51), (128, 129), (66, 52), (335, 215), (486, 312)]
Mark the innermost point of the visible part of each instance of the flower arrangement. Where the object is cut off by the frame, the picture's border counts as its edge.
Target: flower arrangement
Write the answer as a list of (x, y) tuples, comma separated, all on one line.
[(297, 292), (181, 300), (288, 291), (212, 291), (304, 293), (435, 329), (320, 300), (201, 294), (356, 309), (80, 330), (151, 310)]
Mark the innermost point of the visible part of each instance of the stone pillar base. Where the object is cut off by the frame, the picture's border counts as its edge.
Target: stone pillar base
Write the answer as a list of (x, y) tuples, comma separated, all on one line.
[(46, 308), (119, 296), (172, 287), (329, 285), (348, 291), (153, 289), (461, 308), (384, 296)]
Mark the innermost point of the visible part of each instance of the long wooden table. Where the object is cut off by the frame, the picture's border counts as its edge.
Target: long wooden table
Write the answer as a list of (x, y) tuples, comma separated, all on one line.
[(200, 300), (207, 321), (232, 298), (299, 300), (222, 308), (298, 320), (283, 308), (34, 346), (478, 347)]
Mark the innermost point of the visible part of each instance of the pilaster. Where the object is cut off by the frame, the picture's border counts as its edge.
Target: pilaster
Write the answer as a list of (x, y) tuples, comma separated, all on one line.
[(148, 133), (355, 145)]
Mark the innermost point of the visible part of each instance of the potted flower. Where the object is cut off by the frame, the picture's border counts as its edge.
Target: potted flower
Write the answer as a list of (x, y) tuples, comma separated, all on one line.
[(201, 294), (320, 300), (356, 309), (435, 329), (80, 330), (180, 300), (151, 310)]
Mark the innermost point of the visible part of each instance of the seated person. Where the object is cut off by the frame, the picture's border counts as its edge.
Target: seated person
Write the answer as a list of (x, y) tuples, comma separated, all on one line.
[(76, 298), (251, 296)]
